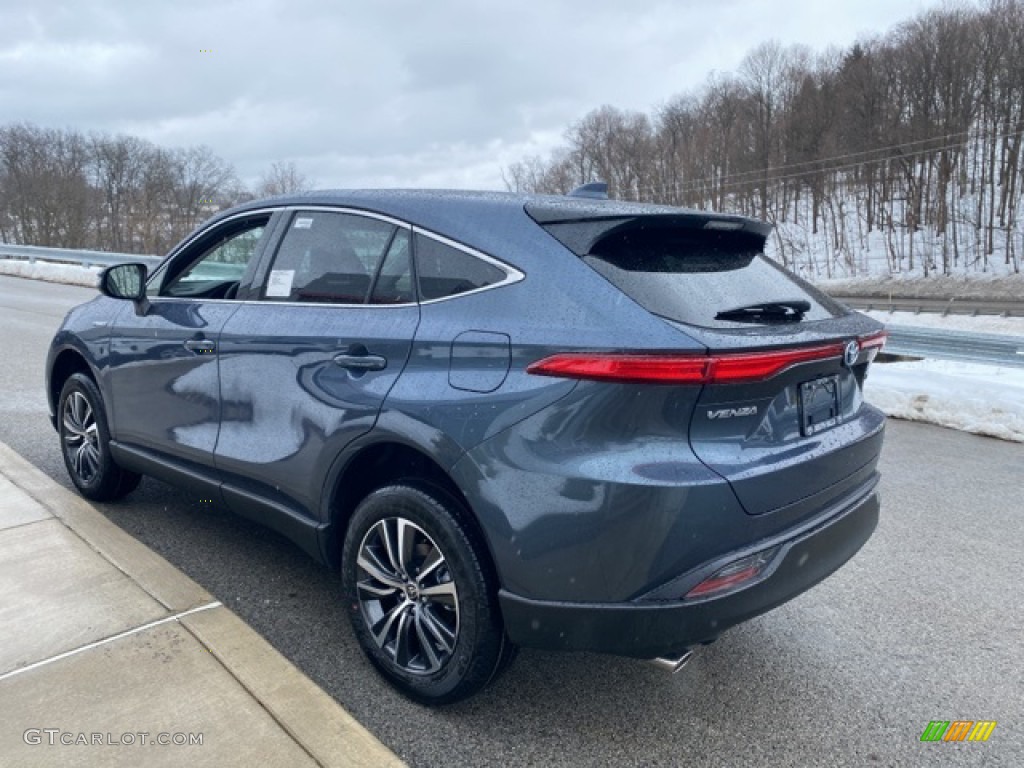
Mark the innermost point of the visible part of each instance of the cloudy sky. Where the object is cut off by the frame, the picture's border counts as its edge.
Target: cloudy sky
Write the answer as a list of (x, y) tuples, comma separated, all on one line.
[(377, 93)]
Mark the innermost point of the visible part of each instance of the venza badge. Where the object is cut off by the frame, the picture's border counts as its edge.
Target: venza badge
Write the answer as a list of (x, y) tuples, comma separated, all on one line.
[(731, 413)]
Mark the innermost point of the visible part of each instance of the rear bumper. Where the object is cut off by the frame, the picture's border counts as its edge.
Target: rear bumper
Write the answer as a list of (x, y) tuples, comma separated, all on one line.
[(646, 628)]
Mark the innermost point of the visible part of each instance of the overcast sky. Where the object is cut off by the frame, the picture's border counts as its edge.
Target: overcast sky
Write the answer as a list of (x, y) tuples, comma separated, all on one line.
[(378, 93)]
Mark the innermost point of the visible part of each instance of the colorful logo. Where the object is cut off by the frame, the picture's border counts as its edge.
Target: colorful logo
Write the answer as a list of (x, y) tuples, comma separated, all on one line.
[(958, 730)]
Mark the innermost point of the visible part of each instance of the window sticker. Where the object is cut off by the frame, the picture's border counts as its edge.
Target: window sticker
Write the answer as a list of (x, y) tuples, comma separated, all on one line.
[(280, 282), (306, 223)]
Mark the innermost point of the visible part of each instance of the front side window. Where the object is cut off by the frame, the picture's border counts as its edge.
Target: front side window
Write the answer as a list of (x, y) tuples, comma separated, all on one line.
[(337, 258), (213, 267)]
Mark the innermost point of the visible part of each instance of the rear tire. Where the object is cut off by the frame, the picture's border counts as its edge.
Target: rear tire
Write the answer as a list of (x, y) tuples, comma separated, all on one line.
[(422, 602), (85, 442)]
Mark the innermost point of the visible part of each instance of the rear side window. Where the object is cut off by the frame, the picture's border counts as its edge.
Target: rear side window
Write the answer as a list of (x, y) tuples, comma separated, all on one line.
[(328, 257), (443, 270), (701, 277)]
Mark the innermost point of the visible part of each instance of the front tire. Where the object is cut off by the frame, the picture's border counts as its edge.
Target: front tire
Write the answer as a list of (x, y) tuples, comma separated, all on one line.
[(85, 442), (422, 602)]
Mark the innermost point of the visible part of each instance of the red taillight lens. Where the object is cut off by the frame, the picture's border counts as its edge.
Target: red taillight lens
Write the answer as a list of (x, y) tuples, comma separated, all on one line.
[(735, 575), (675, 369), (681, 369), (873, 344), (728, 369), (875, 340)]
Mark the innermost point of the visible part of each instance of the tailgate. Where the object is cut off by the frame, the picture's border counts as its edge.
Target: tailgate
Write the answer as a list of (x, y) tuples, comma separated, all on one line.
[(804, 434), (781, 435)]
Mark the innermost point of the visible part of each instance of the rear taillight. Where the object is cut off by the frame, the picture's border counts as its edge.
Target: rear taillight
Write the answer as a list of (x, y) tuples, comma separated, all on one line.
[(681, 369), (666, 369), (873, 344)]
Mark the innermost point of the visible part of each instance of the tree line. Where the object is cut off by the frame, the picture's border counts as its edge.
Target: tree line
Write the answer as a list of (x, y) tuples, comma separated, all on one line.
[(902, 152), (65, 189)]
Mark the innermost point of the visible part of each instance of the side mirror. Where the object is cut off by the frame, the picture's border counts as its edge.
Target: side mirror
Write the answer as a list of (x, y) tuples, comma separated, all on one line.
[(126, 281)]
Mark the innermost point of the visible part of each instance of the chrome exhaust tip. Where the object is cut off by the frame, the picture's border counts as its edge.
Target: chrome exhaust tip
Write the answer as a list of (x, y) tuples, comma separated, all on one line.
[(672, 664)]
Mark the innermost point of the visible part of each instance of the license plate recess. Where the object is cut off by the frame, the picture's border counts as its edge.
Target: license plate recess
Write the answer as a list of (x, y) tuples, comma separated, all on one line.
[(819, 404)]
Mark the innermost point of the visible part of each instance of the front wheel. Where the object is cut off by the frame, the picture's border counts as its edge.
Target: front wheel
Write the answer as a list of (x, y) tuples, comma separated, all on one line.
[(422, 602), (85, 442)]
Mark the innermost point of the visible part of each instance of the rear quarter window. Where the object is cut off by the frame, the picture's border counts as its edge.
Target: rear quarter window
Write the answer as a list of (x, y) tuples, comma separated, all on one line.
[(446, 271)]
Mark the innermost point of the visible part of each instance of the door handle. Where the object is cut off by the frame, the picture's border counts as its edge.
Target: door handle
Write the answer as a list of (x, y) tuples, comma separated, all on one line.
[(361, 362), (201, 346)]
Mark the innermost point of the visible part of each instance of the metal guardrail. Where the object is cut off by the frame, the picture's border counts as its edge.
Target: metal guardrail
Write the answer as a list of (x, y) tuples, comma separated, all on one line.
[(1001, 307), (991, 348), (31, 253)]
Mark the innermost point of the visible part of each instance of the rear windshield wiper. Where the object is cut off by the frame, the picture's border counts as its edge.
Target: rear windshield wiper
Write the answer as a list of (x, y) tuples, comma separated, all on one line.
[(787, 311)]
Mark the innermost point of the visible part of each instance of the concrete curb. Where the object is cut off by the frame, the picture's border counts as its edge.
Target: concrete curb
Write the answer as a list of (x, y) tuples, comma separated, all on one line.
[(328, 734), (165, 583)]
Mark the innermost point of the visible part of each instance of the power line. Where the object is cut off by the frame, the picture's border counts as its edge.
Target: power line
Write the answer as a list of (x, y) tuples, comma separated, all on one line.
[(756, 175), (878, 150), (731, 181)]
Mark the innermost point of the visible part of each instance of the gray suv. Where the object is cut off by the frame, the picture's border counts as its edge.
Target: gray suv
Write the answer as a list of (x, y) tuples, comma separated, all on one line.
[(557, 422)]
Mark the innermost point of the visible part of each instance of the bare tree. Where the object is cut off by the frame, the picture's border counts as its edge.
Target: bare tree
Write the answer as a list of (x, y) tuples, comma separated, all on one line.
[(60, 188), (555, 176), (918, 133), (199, 179), (283, 178), (763, 71), (119, 169), (47, 193)]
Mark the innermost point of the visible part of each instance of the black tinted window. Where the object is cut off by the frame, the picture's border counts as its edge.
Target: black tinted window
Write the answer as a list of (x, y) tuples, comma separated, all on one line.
[(328, 257), (446, 271), (692, 275)]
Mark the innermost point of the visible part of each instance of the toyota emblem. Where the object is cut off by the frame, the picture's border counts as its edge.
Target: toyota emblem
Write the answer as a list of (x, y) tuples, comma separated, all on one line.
[(851, 353)]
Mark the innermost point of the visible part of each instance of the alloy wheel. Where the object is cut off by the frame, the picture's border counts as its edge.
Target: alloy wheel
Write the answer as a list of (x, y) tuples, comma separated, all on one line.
[(407, 596), (81, 437)]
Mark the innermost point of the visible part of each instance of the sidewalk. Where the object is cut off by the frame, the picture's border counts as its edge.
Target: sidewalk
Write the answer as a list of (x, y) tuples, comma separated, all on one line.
[(110, 656)]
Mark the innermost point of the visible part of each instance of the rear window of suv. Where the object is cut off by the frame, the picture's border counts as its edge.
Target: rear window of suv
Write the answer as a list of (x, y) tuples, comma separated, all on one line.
[(693, 275)]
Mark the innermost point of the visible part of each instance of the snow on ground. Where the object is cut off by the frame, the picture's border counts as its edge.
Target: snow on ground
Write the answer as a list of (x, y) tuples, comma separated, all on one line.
[(71, 274), (1007, 326), (983, 399), (976, 285)]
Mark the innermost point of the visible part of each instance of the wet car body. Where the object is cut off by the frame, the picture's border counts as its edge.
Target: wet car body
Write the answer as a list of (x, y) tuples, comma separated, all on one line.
[(632, 479)]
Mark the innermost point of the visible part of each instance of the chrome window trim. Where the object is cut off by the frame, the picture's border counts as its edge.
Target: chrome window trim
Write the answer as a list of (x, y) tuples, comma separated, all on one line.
[(165, 299), (202, 232), (254, 302), (344, 209), (512, 275), (332, 304)]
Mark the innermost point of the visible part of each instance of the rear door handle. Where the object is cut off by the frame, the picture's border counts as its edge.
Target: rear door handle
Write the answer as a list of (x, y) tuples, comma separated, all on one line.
[(201, 346), (361, 362)]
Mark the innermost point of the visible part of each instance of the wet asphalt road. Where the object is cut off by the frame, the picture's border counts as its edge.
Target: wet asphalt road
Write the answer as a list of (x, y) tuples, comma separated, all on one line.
[(924, 624)]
